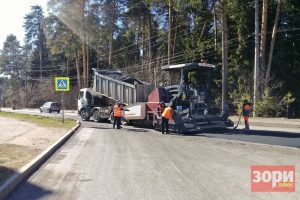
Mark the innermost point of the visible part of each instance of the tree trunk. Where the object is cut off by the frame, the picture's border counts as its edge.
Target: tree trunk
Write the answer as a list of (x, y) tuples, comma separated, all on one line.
[(84, 63), (110, 49), (203, 29), (67, 66), (83, 43), (78, 69), (112, 28), (174, 38), (149, 44), (87, 64), (136, 56), (98, 48), (215, 28), (41, 62), (267, 79), (263, 37), (224, 58), (256, 58)]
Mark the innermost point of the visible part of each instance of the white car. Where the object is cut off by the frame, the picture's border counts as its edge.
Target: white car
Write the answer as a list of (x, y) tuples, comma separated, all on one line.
[(50, 106)]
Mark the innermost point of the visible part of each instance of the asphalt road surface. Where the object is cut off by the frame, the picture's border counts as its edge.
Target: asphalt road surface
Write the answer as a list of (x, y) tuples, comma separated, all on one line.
[(71, 114), (289, 137), (268, 133), (99, 162)]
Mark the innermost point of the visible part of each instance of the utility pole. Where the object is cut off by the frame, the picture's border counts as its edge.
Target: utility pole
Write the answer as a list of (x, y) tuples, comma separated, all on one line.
[(224, 59), (169, 33), (256, 58)]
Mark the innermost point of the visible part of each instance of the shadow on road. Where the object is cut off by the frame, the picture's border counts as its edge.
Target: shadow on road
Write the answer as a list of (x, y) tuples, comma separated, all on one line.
[(99, 127), (248, 133), (36, 192), (280, 138), (136, 130)]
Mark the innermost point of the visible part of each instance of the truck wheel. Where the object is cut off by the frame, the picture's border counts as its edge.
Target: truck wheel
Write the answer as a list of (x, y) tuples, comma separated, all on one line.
[(96, 116), (84, 115), (50, 111)]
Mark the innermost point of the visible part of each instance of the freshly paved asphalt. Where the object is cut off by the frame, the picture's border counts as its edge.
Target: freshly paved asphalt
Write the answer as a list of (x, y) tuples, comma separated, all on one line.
[(264, 133), (99, 162), (287, 137)]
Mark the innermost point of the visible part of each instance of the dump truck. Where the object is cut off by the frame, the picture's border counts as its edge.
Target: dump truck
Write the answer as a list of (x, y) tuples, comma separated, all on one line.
[(142, 99), (109, 86)]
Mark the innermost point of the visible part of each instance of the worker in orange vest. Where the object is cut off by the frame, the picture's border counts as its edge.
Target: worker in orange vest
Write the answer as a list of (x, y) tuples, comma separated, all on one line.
[(246, 112), (118, 114), (166, 116)]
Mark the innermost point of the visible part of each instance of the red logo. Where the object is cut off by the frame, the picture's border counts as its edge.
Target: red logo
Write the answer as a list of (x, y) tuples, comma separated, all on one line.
[(266, 178)]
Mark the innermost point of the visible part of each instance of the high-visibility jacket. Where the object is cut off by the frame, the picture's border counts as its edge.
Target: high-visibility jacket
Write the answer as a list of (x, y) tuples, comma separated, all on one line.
[(167, 113), (118, 111)]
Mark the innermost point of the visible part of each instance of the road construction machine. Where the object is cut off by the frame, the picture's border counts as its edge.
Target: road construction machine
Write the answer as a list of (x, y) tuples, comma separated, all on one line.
[(192, 113)]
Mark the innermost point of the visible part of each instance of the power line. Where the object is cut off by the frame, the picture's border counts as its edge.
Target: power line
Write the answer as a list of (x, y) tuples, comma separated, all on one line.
[(181, 54)]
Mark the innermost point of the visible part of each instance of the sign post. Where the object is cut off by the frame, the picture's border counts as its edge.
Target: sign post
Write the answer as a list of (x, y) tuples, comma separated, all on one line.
[(62, 84)]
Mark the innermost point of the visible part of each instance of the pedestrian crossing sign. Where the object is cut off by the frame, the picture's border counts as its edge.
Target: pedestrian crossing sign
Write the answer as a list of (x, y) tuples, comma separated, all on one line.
[(62, 84)]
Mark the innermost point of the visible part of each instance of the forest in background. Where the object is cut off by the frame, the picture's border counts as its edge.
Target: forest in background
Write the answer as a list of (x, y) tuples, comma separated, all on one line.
[(139, 36)]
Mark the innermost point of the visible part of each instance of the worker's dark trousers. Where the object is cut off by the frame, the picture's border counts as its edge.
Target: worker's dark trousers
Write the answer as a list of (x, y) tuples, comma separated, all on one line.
[(117, 120), (246, 120), (164, 125)]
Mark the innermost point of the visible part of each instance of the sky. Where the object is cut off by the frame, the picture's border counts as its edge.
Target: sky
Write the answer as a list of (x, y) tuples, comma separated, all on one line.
[(12, 13)]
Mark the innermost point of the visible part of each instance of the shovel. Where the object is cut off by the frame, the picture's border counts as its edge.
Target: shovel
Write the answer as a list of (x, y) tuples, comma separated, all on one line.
[(238, 122)]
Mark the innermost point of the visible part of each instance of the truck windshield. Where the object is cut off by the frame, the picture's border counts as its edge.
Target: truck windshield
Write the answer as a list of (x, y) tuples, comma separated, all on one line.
[(80, 95), (89, 98)]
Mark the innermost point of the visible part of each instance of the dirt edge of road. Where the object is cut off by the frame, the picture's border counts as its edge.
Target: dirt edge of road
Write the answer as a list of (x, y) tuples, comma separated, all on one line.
[(29, 157)]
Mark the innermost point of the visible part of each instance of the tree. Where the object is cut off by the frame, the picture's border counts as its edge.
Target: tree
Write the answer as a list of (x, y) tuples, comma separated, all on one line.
[(267, 78), (137, 36), (263, 39), (287, 100), (256, 69), (35, 39), (12, 57)]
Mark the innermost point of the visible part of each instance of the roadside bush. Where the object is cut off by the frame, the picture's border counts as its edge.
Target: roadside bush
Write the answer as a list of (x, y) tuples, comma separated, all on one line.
[(35, 94), (269, 105)]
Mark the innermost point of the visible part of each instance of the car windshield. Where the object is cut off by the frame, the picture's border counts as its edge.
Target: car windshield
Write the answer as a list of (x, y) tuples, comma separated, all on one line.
[(47, 104)]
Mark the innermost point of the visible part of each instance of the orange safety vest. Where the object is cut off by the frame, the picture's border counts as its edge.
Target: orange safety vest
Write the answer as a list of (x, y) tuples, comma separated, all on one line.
[(167, 113), (118, 111)]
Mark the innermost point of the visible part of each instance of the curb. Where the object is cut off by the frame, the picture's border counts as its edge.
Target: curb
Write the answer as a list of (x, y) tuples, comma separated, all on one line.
[(10, 184)]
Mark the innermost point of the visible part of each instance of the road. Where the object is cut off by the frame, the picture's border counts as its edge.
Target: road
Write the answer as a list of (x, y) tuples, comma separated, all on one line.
[(264, 133), (71, 114), (133, 163), (289, 137)]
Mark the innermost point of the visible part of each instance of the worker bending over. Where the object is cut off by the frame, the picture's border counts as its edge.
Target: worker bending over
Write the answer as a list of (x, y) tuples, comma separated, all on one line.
[(166, 116), (118, 113)]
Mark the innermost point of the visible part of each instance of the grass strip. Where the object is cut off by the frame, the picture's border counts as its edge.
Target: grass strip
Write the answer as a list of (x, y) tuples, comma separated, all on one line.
[(13, 157), (41, 120)]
